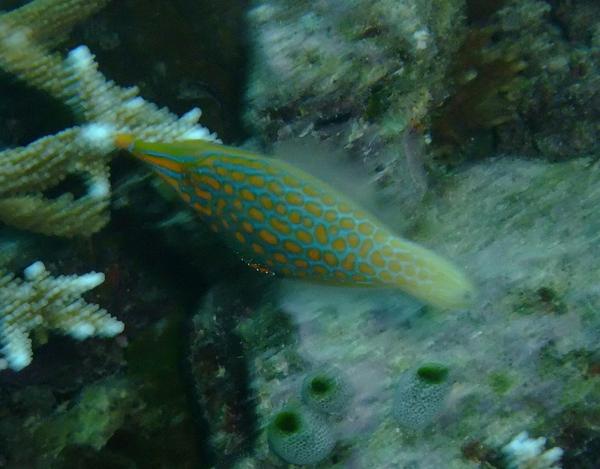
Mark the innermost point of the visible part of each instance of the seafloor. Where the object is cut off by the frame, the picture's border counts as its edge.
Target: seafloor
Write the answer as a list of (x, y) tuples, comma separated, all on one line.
[(468, 126)]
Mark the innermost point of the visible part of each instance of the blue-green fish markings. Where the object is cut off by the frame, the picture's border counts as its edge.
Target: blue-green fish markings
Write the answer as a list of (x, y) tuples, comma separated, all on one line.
[(288, 222)]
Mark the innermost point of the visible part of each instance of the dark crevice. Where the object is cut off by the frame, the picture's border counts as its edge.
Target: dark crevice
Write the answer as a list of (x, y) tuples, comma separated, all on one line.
[(338, 118), (27, 114)]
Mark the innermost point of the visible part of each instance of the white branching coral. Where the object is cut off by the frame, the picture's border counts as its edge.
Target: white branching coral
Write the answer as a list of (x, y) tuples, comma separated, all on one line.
[(42, 302), (528, 453), (103, 108), (25, 172)]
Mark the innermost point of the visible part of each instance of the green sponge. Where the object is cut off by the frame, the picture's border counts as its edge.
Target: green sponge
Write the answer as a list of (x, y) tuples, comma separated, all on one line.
[(299, 436), (420, 396), (327, 391)]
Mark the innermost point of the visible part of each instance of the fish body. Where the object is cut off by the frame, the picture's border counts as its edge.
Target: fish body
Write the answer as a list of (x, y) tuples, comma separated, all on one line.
[(285, 221)]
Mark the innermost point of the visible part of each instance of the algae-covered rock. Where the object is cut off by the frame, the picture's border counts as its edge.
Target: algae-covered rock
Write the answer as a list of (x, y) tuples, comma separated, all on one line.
[(471, 78), (90, 422), (523, 356), (324, 66), (362, 74)]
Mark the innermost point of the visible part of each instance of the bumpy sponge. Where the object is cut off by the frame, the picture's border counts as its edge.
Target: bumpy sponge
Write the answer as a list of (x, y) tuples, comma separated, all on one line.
[(327, 391), (299, 436), (420, 396)]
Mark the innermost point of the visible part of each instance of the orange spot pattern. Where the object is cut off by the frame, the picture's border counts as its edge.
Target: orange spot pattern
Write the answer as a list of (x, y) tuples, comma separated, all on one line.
[(295, 227), (304, 236), (279, 225), (256, 214), (268, 237), (321, 234)]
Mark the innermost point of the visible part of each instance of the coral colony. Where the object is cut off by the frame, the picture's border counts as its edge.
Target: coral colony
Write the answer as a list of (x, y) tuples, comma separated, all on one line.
[(48, 303), (27, 36)]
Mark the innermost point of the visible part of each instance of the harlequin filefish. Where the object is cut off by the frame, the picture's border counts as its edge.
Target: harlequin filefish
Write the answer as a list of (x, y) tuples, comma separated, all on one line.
[(284, 221)]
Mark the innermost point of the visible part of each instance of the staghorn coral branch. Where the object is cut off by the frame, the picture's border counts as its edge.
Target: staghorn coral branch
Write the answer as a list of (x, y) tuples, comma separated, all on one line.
[(39, 165), (28, 33), (50, 21), (26, 171), (105, 107), (41, 301), (22, 57), (64, 216)]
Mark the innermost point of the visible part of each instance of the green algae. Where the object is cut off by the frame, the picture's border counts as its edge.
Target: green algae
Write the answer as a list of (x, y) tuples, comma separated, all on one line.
[(90, 422), (266, 329), (500, 382), (432, 373)]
